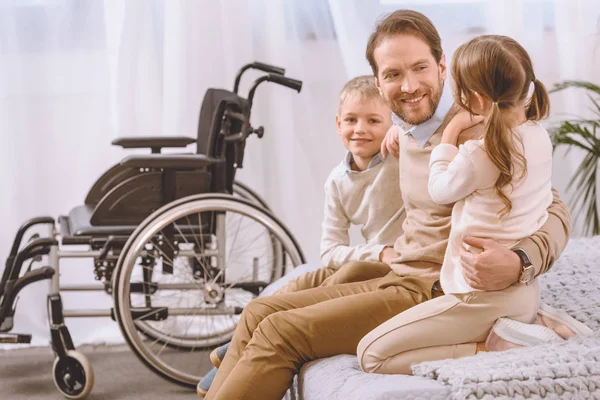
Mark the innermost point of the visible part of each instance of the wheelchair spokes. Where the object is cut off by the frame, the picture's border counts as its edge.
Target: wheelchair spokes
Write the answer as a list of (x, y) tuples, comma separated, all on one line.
[(215, 260), (172, 287)]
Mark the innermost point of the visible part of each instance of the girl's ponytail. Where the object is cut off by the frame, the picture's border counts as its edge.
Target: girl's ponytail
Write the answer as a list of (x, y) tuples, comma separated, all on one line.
[(500, 145), (539, 104)]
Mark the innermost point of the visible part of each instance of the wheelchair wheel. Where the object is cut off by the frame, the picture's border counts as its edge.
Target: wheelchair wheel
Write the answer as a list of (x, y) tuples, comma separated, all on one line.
[(279, 262), (166, 310), (73, 375), (243, 191)]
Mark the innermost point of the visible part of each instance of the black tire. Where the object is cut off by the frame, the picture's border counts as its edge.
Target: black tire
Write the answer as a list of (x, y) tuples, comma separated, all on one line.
[(137, 243)]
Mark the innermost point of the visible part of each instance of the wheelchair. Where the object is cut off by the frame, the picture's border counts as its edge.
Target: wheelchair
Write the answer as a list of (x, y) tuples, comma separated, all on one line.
[(179, 245)]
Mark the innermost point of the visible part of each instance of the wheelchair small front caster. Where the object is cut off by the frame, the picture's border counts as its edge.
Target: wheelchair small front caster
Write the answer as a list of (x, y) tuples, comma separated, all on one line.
[(73, 375)]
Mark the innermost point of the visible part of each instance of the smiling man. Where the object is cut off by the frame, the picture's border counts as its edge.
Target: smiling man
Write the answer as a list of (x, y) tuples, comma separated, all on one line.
[(277, 335)]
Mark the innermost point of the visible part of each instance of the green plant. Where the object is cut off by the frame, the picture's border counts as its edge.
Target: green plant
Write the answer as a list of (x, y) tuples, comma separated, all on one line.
[(583, 134)]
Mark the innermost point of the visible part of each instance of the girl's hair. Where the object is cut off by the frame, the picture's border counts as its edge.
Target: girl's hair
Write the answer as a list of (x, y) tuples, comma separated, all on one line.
[(499, 68)]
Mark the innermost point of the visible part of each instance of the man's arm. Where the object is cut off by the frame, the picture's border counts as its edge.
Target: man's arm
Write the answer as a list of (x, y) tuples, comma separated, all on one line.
[(546, 245), (498, 267)]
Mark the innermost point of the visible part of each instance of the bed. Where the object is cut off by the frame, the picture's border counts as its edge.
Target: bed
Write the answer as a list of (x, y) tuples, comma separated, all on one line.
[(567, 370)]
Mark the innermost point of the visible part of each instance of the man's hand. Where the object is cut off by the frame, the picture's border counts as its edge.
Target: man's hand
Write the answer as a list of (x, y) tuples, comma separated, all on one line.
[(387, 255), (390, 142), (495, 268)]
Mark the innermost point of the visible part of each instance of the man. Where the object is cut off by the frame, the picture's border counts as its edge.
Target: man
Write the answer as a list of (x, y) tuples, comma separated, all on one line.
[(277, 335)]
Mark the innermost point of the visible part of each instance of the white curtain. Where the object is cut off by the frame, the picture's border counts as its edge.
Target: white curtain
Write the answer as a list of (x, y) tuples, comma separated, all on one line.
[(561, 36), (74, 75)]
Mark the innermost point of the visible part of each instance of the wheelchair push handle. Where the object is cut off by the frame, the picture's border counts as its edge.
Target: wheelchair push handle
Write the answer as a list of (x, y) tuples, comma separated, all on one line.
[(285, 81), (268, 68), (256, 65), (275, 78)]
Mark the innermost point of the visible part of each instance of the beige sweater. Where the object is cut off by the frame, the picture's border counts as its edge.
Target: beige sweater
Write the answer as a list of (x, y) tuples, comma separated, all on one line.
[(466, 176), (422, 246), (370, 199)]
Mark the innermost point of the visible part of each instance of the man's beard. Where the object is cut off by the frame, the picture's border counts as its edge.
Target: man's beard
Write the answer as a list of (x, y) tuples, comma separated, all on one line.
[(433, 101)]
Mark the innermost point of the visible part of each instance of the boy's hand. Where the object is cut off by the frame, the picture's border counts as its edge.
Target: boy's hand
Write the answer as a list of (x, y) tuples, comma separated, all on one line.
[(390, 142), (461, 121)]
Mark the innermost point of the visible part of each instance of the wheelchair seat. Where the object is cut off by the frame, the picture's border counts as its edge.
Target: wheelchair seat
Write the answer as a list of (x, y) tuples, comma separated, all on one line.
[(131, 190), (79, 224)]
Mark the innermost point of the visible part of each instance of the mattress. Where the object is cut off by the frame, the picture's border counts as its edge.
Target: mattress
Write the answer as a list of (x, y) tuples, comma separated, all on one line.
[(340, 378)]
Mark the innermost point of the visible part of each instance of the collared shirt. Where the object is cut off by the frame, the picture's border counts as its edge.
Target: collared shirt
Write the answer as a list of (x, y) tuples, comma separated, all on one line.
[(423, 132), (349, 160)]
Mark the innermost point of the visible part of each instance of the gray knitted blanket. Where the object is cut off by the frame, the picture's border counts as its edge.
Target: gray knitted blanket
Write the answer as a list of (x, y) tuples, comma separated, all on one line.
[(567, 370)]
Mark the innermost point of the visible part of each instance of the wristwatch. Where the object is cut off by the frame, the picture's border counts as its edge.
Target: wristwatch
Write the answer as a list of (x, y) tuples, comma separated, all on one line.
[(527, 271)]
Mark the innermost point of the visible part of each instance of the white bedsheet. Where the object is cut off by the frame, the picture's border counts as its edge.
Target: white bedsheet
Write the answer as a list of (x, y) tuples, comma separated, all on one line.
[(340, 378)]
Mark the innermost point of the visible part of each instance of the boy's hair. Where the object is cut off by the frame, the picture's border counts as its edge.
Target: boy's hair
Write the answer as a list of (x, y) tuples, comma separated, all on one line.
[(499, 68), (363, 86), (404, 22)]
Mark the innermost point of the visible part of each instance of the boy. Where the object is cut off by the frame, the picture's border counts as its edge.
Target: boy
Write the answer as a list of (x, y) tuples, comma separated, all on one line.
[(358, 192), (362, 190)]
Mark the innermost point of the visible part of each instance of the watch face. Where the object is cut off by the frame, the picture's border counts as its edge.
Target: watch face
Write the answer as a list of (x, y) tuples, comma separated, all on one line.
[(528, 274)]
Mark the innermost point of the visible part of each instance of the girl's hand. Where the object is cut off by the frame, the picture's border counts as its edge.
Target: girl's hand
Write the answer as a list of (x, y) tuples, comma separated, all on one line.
[(461, 121)]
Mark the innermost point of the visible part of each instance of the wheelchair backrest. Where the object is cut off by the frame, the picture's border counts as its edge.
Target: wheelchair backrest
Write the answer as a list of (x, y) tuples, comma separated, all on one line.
[(212, 122), (211, 117)]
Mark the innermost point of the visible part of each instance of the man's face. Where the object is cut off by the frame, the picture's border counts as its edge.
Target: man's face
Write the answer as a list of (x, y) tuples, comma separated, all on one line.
[(410, 80)]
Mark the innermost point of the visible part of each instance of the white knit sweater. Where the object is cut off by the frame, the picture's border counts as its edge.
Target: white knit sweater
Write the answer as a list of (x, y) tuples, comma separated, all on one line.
[(466, 176), (370, 199)]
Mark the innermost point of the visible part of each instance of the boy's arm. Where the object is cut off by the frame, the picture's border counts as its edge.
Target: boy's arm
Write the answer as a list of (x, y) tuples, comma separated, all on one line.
[(546, 245), (452, 175), (335, 239)]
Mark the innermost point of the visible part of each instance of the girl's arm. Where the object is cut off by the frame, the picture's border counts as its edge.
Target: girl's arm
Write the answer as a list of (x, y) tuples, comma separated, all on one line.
[(452, 175)]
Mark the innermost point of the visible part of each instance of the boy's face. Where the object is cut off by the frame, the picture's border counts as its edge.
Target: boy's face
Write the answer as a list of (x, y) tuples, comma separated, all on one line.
[(362, 124), (409, 78)]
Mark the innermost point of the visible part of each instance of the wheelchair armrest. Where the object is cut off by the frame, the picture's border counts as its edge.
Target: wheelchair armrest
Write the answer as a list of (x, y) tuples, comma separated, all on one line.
[(169, 161), (155, 143)]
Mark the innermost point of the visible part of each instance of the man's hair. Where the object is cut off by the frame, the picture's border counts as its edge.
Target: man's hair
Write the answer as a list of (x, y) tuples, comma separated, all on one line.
[(404, 22), (363, 86)]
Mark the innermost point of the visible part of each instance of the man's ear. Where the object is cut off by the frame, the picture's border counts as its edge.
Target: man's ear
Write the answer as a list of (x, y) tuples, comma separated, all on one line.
[(443, 67), (338, 124), (378, 86)]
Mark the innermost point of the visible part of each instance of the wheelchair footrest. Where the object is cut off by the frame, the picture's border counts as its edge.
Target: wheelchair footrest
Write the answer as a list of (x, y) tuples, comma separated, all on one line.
[(15, 338)]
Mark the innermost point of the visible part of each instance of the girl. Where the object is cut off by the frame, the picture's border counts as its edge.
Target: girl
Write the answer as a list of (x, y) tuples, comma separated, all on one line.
[(501, 187)]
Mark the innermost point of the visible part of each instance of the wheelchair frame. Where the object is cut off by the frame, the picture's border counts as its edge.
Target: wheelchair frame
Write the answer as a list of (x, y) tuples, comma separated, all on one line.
[(229, 129)]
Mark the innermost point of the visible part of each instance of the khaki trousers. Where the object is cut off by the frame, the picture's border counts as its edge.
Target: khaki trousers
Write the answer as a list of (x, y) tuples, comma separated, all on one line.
[(276, 335), (351, 272), (444, 327)]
